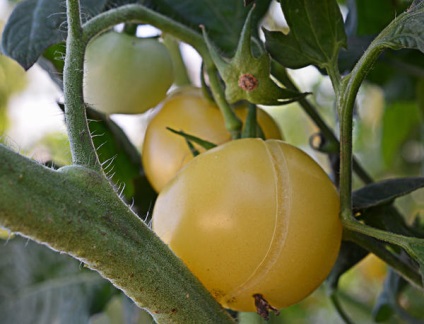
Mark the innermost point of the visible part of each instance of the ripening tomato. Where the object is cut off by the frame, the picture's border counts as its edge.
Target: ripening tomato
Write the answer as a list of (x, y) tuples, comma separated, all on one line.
[(125, 74), (165, 153), (252, 217)]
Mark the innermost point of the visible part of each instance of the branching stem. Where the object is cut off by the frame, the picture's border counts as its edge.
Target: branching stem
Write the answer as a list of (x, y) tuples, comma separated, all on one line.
[(378, 248), (137, 13), (345, 104), (82, 147)]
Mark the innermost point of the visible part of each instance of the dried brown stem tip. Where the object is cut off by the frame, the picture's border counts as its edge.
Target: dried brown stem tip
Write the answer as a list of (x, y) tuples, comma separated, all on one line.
[(263, 307), (248, 82), (248, 2)]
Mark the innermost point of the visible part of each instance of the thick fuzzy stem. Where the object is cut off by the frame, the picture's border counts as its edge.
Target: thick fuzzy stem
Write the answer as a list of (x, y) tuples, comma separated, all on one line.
[(75, 210)]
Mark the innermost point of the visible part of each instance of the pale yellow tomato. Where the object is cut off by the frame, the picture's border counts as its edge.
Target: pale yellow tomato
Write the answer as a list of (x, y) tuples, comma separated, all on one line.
[(252, 217), (165, 153), (124, 74)]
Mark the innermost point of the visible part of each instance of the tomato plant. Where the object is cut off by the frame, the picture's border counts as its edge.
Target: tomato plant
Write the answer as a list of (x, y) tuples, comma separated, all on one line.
[(165, 153), (252, 217), (125, 74), (255, 221)]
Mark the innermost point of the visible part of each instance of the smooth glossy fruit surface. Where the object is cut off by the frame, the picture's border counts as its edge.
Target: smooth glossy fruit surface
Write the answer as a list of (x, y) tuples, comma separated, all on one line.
[(165, 153), (252, 217), (125, 74)]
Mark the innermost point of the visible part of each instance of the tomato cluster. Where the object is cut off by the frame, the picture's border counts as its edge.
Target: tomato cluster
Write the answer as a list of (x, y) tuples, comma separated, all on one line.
[(165, 153), (249, 217)]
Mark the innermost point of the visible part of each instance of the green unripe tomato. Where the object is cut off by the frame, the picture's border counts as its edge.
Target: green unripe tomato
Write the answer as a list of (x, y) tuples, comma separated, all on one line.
[(165, 153), (252, 217), (124, 74)]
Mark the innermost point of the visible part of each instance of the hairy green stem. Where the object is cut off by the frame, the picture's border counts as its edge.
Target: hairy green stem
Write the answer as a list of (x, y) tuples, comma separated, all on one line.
[(393, 36), (75, 210), (379, 249), (334, 74), (345, 104), (82, 147), (137, 13)]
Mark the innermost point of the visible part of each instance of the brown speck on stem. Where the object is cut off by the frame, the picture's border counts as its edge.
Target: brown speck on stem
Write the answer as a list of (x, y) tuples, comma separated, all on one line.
[(248, 82), (263, 307)]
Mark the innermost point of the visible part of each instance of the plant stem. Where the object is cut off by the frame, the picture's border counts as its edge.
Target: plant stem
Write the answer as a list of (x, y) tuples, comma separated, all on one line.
[(250, 125), (138, 13), (393, 36), (181, 77), (345, 104), (82, 147), (378, 248), (337, 305), (232, 122), (334, 74), (87, 220)]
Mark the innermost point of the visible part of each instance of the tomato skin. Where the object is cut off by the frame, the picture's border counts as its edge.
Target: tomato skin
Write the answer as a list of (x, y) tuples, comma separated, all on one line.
[(165, 153), (124, 74), (252, 216)]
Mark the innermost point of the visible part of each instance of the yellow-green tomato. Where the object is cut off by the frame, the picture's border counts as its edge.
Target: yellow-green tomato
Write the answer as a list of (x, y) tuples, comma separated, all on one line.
[(252, 217), (124, 74), (165, 153)]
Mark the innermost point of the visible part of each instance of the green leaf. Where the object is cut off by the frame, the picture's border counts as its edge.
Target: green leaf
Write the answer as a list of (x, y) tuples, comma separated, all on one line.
[(223, 19), (388, 218), (406, 30), (191, 138), (42, 286), (34, 25), (316, 34), (384, 192), (53, 62)]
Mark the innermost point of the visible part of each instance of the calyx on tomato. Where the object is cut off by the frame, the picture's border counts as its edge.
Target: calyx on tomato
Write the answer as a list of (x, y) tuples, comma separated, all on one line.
[(248, 77), (124, 74), (252, 217), (165, 153)]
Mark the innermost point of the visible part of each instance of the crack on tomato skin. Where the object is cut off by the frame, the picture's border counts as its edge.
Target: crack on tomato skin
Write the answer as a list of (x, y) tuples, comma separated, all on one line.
[(283, 197)]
